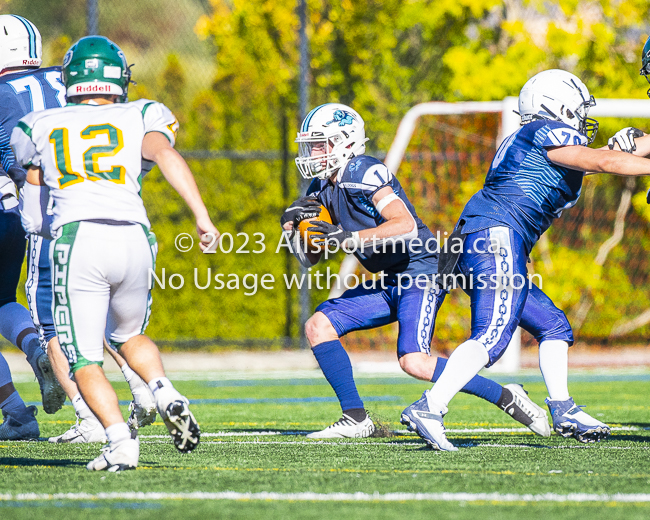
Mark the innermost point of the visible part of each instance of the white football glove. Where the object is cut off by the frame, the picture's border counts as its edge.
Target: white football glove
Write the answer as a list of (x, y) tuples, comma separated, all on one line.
[(625, 139)]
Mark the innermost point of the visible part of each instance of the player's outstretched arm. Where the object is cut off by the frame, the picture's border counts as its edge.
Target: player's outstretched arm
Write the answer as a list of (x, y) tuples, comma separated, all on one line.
[(156, 147), (586, 159)]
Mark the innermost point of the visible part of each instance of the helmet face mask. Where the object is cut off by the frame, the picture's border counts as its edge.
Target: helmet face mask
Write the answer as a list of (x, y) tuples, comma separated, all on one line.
[(558, 95), (20, 43), (96, 66), (329, 137)]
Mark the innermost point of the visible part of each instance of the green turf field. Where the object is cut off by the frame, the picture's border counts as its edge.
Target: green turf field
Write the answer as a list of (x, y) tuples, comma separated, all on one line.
[(254, 459)]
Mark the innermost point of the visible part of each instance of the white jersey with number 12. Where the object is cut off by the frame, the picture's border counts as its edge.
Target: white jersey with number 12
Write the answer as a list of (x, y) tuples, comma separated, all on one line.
[(91, 157)]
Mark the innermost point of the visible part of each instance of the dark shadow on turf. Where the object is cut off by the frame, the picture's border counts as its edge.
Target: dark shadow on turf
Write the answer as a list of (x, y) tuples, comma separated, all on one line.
[(19, 461), (628, 438)]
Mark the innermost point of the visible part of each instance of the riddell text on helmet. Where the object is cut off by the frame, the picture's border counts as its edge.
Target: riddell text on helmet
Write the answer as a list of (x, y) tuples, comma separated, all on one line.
[(31, 62), (93, 88)]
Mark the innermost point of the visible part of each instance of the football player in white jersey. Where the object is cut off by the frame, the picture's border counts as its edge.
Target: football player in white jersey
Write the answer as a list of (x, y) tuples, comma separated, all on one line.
[(88, 156), (24, 88)]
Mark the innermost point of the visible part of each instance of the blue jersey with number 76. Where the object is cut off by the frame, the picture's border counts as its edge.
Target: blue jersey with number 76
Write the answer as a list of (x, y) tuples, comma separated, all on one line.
[(24, 92), (523, 189)]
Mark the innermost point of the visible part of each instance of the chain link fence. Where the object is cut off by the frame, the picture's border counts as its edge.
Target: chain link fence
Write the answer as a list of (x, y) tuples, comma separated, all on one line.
[(593, 260)]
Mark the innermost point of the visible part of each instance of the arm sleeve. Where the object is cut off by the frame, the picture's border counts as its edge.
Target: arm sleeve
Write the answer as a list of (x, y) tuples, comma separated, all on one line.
[(7, 157), (158, 118), (33, 209), (23, 146)]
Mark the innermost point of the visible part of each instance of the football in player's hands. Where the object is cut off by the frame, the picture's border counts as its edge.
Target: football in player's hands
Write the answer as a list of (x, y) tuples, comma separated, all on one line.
[(299, 210), (305, 225)]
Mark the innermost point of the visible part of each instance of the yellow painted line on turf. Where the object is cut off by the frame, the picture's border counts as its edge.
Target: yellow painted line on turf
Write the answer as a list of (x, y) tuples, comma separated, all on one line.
[(492, 498)]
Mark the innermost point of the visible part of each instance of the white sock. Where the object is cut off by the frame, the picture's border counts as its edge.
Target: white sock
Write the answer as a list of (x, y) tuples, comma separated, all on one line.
[(554, 364), (117, 433), (463, 364), (160, 382), (81, 408), (128, 372)]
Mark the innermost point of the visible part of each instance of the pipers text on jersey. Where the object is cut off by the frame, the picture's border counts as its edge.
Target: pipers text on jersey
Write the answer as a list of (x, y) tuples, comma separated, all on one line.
[(81, 148), (349, 202), (524, 190)]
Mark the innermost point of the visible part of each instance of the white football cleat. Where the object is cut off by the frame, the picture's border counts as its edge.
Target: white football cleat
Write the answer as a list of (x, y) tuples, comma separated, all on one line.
[(522, 409), (120, 457), (346, 428), (427, 424), (142, 408), (175, 412), (88, 430)]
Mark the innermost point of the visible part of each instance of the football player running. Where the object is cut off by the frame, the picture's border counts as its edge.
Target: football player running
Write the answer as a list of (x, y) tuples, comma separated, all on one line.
[(23, 88), (373, 218), (536, 174), (88, 157)]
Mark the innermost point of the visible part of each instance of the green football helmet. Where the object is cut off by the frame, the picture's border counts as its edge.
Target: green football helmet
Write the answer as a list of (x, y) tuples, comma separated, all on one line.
[(645, 62), (96, 65)]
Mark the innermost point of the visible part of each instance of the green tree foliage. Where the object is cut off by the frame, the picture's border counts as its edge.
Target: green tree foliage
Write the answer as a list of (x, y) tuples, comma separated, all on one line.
[(229, 70)]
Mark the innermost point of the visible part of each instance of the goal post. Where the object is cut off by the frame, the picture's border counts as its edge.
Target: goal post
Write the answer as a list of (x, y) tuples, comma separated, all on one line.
[(509, 123)]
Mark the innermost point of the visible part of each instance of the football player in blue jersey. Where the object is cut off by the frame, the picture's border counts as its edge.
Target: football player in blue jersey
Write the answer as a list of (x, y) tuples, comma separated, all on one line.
[(23, 88), (373, 218), (536, 174)]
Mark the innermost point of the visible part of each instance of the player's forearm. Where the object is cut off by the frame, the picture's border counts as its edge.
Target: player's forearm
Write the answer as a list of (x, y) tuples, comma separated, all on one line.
[(599, 161), (623, 164), (178, 174), (398, 227), (642, 146)]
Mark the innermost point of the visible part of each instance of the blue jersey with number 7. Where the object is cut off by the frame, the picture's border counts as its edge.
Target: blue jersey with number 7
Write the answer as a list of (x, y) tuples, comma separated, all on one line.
[(350, 204), (524, 190), (24, 92)]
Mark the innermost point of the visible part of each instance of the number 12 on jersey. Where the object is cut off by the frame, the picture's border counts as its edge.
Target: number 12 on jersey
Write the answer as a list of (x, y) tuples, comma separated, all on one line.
[(59, 138)]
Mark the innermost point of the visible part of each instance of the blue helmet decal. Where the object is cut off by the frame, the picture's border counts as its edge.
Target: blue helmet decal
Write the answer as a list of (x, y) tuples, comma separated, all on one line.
[(342, 118)]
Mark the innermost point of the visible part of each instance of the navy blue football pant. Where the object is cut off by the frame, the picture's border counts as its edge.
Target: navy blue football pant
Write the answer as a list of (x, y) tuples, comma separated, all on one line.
[(369, 305), (12, 253), (493, 264), (38, 286)]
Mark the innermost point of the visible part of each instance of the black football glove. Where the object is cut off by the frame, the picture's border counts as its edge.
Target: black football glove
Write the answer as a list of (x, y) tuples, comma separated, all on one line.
[(625, 139), (331, 234), (301, 209)]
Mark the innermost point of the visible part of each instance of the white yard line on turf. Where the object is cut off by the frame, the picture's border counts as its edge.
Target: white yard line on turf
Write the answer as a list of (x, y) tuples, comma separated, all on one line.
[(400, 432), (336, 497)]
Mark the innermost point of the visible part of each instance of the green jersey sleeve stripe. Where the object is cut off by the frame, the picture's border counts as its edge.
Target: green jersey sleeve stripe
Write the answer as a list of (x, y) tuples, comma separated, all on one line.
[(144, 108), (23, 126)]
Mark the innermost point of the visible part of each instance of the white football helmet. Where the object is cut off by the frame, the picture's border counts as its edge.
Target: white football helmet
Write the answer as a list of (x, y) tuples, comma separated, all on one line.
[(331, 125), (558, 95), (20, 43)]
